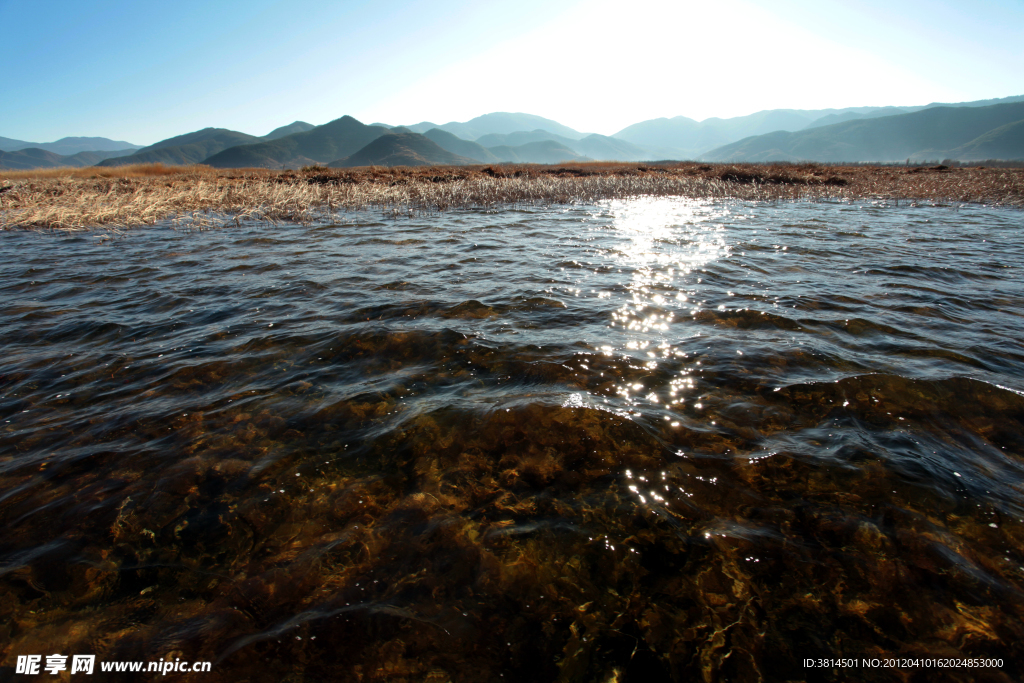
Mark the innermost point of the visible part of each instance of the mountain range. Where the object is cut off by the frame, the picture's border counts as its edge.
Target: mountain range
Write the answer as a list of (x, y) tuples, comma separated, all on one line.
[(965, 133), (684, 138), (193, 148), (402, 147), (33, 157), (500, 123), (190, 148), (968, 131), (69, 146)]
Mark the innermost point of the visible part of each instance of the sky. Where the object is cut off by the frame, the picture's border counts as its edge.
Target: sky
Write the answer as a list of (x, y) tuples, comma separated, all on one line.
[(145, 71)]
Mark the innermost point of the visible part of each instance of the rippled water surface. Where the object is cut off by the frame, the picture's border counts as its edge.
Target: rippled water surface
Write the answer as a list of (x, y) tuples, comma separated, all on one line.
[(643, 440)]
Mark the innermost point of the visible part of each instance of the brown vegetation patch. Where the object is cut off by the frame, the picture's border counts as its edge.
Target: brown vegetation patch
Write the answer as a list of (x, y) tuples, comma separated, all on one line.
[(199, 196), (808, 174)]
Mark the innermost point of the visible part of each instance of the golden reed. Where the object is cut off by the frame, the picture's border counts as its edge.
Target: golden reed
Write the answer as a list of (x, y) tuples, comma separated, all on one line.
[(199, 196)]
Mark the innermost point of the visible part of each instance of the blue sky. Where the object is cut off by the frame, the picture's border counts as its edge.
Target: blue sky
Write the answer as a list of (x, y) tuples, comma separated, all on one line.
[(144, 71)]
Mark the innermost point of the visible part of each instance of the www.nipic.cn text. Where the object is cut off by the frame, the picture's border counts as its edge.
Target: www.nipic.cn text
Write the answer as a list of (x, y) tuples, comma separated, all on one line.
[(86, 664)]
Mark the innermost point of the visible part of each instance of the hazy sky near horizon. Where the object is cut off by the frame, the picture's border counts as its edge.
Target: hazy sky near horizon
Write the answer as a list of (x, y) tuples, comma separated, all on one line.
[(145, 71)]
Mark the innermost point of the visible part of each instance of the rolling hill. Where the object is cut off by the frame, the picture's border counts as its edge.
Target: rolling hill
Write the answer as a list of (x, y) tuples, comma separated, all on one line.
[(684, 138), (926, 134), (599, 147), (1005, 142), (403, 148), (33, 157), (11, 145), (606, 148), (977, 103), (322, 144), (854, 115), (294, 127), (456, 145), (540, 152), (190, 148), (499, 123), (522, 137), (676, 138), (70, 146), (83, 159)]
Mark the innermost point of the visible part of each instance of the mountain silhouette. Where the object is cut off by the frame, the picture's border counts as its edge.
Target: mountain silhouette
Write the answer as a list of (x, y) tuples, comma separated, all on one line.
[(33, 157), (403, 148), (321, 144), (600, 147), (456, 145), (295, 127), (1005, 142), (540, 152), (499, 123), (70, 146), (978, 130), (190, 148), (927, 134)]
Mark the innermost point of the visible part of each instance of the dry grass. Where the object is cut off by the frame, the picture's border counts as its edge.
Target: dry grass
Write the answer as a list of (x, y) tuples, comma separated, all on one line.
[(131, 171), (199, 196)]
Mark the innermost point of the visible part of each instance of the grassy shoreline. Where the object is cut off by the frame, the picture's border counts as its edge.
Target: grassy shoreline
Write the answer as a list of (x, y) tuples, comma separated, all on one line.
[(199, 196)]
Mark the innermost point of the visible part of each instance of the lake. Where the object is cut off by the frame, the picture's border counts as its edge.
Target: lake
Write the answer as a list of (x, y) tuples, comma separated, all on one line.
[(650, 439)]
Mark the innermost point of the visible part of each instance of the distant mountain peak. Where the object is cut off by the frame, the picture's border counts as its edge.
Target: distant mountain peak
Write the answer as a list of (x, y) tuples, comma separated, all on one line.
[(499, 123), (290, 129), (69, 146), (320, 144)]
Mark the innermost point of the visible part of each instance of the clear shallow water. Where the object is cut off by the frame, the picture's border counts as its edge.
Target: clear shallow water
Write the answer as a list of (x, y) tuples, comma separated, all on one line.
[(670, 439)]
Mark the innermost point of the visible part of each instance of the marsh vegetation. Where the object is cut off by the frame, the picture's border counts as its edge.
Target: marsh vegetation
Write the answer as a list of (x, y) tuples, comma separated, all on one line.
[(199, 196)]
